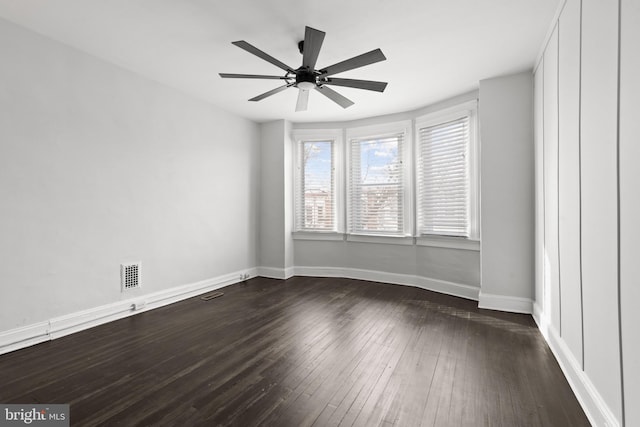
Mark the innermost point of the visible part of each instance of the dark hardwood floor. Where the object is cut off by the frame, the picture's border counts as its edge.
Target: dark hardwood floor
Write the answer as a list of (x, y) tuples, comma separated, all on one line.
[(301, 352)]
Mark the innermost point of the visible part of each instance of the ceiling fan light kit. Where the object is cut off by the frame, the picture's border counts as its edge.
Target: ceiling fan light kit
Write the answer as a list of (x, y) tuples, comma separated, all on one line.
[(307, 77)]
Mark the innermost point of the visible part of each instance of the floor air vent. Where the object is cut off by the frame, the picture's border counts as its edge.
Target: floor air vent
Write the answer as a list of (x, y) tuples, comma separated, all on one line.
[(130, 276), (211, 295)]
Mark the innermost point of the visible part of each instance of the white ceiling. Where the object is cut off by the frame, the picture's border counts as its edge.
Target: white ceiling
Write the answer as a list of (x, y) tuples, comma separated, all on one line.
[(435, 49)]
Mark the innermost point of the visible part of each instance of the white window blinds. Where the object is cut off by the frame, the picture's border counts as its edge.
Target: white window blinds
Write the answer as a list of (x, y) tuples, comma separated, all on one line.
[(376, 186), (315, 187), (443, 178)]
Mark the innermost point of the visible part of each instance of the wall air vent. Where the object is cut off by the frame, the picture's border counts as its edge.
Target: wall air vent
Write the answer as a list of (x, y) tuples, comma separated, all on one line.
[(130, 276)]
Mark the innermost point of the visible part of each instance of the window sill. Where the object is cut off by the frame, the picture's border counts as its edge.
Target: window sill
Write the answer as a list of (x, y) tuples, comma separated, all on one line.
[(449, 242), (432, 241), (389, 240), (317, 235)]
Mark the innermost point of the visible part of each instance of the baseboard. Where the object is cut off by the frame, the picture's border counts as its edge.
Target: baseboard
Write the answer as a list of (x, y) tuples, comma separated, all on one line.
[(505, 303), (57, 327), (594, 406), (26, 336), (276, 273), (541, 320), (436, 285)]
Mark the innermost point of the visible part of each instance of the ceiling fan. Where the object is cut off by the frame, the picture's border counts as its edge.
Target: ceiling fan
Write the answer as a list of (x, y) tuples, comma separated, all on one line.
[(307, 77)]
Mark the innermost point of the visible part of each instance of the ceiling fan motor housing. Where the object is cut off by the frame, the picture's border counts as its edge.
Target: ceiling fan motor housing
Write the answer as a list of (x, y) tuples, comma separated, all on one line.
[(305, 78)]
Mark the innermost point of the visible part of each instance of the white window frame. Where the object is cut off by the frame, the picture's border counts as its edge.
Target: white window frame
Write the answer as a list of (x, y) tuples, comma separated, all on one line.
[(373, 131), (298, 137), (442, 116)]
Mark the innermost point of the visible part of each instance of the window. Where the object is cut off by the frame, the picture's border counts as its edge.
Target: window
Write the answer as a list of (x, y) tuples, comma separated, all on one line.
[(446, 184), (406, 182), (315, 183), (378, 184), (316, 196)]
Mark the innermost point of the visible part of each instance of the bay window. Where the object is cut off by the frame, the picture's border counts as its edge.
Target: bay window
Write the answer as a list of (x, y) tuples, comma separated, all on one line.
[(364, 189)]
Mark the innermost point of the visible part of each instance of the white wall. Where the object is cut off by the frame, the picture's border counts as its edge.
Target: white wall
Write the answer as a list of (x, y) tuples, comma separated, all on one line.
[(550, 153), (288, 197), (276, 192), (271, 252), (538, 134), (569, 237), (507, 206), (596, 154), (630, 206), (99, 166), (452, 265), (599, 199)]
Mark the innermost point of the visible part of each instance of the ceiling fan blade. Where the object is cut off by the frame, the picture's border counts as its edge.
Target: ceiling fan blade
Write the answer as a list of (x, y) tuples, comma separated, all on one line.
[(257, 52), (303, 100), (355, 62), (334, 96), (251, 76), (358, 84), (271, 92), (312, 43)]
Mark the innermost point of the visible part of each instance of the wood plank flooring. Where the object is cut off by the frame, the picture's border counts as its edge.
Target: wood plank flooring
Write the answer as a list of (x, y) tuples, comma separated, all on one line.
[(302, 352)]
